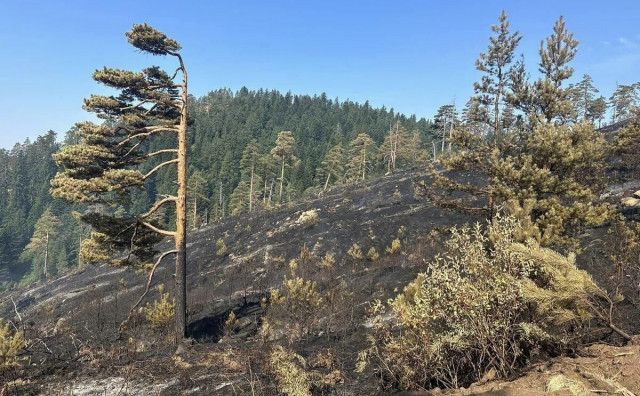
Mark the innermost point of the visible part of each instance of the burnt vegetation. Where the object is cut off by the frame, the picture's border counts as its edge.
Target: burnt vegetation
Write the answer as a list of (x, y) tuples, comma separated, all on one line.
[(330, 248)]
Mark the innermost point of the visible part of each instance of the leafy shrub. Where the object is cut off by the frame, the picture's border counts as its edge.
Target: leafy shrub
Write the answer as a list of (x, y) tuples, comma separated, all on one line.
[(222, 248), (327, 262), (294, 376), (355, 252), (372, 254), (160, 314), (488, 304), (296, 307), (289, 370), (230, 323), (12, 344), (308, 219)]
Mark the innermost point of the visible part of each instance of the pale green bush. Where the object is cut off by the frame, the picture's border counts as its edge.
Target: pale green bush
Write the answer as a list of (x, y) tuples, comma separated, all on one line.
[(487, 304)]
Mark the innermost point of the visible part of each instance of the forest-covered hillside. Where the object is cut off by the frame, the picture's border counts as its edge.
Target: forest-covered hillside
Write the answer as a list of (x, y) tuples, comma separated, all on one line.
[(222, 124)]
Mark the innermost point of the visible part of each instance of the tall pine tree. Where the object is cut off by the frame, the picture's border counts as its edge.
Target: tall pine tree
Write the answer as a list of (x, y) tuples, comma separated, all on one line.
[(104, 166)]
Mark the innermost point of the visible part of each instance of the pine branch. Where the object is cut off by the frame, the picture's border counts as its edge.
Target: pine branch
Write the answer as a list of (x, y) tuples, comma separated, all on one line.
[(154, 170), (149, 131), (146, 290), (158, 205), (158, 230), (161, 152)]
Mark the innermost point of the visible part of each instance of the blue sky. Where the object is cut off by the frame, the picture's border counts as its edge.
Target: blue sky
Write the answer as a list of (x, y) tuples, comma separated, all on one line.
[(410, 55)]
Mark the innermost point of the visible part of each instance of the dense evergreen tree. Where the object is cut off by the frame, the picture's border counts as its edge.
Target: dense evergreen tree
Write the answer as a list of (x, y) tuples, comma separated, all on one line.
[(495, 64), (333, 166), (583, 94), (548, 176), (445, 122), (597, 110)]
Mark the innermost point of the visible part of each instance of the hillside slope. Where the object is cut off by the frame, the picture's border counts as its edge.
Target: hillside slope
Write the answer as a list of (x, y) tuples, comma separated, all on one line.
[(76, 317)]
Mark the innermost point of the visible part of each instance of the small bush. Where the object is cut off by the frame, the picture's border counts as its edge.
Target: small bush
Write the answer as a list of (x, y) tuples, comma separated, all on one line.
[(372, 254), (12, 344), (295, 377), (308, 219), (230, 324), (161, 313), (395, 247), (355, 252), (327, 262), (289, 370), (294, 309), (222, 248)]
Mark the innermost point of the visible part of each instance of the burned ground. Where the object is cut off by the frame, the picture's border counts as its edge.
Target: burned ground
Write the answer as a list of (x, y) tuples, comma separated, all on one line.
[(76, 317)]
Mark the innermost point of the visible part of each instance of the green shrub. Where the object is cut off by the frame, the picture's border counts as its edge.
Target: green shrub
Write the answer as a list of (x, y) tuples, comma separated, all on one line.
[(12, 344), (395, 247), (355, 252), (372, 254), (289, 370), (488, 304), (294, 309), (161, 313), (222, 248), (308, 219)]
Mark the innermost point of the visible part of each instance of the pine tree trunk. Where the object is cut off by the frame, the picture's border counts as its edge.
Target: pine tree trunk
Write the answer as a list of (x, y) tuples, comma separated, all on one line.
[(220, 201), (195, 206), (271, 190), (496, 121), (364, 162), (326, 183), (251, 189), (450, 135), (181, 220), (281, 180), (264, 192), (46, 257)]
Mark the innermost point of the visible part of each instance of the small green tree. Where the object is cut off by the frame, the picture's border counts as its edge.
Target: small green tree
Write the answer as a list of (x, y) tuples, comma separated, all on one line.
[(12, 345), (362, 149), (46, 229), (250, 160), (495, 64), (552, 99), (333, 165), (283, 153), (197, 187)]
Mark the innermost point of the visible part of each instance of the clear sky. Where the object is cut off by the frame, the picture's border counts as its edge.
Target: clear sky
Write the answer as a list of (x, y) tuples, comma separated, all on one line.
[(410, 55)]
